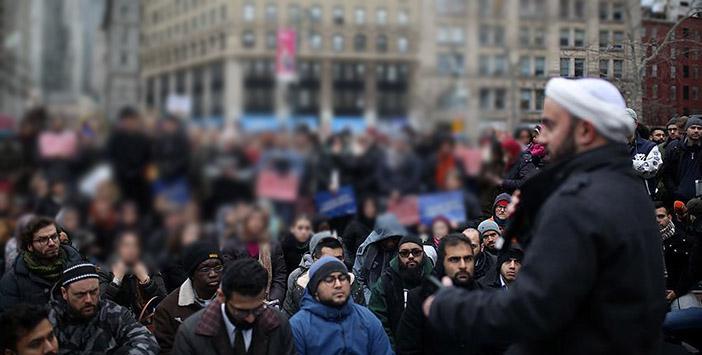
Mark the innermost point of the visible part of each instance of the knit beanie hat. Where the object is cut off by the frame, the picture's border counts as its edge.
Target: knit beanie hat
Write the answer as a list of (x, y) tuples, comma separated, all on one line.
[(694, 120), (509, 254), (672, 121), (410, 239), (198, 252), (322, 268), (78, 272), (488, 225)]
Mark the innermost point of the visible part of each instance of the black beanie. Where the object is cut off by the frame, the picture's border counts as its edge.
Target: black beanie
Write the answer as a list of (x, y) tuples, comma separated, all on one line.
[(198, 252), (507, 255), (322, 268), (410, 239), (78, 272)]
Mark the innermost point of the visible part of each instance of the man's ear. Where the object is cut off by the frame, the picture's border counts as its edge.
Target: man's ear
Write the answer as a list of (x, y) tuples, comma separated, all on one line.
[(220, 295), (64, 293)]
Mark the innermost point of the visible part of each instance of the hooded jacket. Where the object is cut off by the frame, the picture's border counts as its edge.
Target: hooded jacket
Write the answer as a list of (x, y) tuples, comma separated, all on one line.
[(501, 197), (350, 329), (297, 283), (112, 330), (389, 295), (682, 167), (371, 259)]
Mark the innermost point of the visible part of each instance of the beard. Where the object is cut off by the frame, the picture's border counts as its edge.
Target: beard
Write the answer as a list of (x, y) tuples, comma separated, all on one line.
[(238, 323), (334, 303), (411, 276), (568, 148), (463, 283)]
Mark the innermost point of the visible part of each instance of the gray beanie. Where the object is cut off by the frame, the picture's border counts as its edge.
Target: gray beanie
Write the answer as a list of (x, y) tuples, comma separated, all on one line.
[(694, 120), (488, 225), (673, 121)]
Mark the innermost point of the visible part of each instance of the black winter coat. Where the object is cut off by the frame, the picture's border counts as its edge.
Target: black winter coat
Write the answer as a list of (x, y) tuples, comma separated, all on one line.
[(592, 276), (21, 286), (354, 235), (293, 252), (523, 169)]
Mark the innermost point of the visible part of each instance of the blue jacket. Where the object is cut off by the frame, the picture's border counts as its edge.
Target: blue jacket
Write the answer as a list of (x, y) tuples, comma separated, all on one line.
[(349, 330)]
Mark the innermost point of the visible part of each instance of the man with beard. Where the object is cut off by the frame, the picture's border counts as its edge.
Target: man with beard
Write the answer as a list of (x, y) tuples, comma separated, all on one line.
[(26, 330), (239, 322), (38, 266), (85, 324), (330, 322), (681, 169), (414, 334), (490, 234), (389, 295), (204, 267), (586, 215), (484, 262), (657, 135)]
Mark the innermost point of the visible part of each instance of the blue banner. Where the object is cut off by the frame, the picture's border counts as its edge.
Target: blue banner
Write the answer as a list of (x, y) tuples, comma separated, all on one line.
[(341, 203), (446, 204)]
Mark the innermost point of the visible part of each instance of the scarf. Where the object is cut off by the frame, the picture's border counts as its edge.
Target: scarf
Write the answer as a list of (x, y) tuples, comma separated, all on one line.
[(52, 271), (668, 231), (264, 257)]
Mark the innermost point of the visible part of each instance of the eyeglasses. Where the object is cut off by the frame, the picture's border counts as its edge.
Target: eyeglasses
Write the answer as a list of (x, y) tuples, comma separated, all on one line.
[(415, 252), (243, 313), (207, 270), (501, 208), (45, 240), (331, 279)]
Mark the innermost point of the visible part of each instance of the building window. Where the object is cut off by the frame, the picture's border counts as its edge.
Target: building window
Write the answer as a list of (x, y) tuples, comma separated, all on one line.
[(579, 9), (654, 91), (564, 8), (484, 35), (654, 70), (500, 95), (338, 14), (618, 12), (249, 12), (294, 14), (618, 39), (686, 71), (315, 41), (248, 39), (565, 67), (338, 43), (360, 16), (499, 33), (402, 45), (359, 43), (382, 44), (579, 38), (618, 68), (604, 11), (484, 65), (604, 68), (524, 66), (450, 64), (604, 39), (565, 37), (524, 37), (686, 92), (403, 17), (271, 40), (673, 71), (673, 93), (485, 99), (500, 65), (579, 67), (316, 14), (271, 13), (539, 37), (381, 16), (539, 66), (695, 93), (539, 99), (525, 99)]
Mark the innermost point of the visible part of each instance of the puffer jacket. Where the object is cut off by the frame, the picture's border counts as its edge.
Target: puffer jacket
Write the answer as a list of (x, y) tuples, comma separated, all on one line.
[(350, 329)]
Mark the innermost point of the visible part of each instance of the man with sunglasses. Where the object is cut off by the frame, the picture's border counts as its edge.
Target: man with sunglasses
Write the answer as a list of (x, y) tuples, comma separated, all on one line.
[(330, 322), (239, 321), (204, 268), (389, 295), (39, 265)]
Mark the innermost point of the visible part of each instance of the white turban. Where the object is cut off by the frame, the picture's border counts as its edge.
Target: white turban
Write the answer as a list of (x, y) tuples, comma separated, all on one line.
[(596, 101)]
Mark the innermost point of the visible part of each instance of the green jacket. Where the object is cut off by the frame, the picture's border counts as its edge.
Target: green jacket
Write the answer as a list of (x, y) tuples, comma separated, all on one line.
[(389, 295)]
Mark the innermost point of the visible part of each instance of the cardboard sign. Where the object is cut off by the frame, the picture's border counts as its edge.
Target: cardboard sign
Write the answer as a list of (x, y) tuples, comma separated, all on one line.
[(340, 203), (278, 187), (406, 209), (447, 204)]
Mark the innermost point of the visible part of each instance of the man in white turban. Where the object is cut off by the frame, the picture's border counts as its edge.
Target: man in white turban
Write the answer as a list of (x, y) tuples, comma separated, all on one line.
[(593, 263)]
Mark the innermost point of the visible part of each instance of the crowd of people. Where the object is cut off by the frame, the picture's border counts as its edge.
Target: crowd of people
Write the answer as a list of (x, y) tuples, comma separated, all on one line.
[(156, 236)]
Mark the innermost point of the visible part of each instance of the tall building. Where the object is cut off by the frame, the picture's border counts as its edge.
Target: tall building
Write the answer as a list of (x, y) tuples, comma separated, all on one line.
[(670, 10), (120, 56), (472, 63), (673, 76)]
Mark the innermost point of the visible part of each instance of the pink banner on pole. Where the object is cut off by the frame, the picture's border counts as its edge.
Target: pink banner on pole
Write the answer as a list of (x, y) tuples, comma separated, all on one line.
[(285, 54), (406, 209), (278, 187)]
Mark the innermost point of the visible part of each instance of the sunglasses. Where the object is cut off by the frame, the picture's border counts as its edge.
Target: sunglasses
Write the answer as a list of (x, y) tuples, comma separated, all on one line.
[(414, 252)]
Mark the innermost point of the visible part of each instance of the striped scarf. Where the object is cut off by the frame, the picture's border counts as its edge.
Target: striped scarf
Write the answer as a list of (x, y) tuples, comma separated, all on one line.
[(668, 231)]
